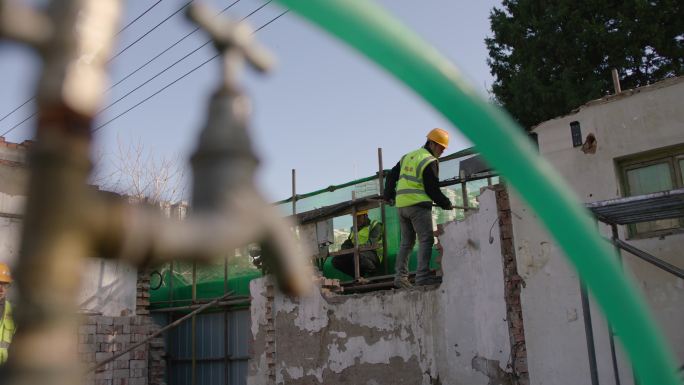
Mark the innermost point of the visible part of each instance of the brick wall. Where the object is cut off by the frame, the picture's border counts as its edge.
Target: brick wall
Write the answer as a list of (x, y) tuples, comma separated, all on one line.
[(101, 337), (512, 287), (156, 357), (270, 332)]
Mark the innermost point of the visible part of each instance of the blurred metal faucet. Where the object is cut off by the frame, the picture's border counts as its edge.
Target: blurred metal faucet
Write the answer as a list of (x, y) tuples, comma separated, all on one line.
[(224, 163), (66, 221)]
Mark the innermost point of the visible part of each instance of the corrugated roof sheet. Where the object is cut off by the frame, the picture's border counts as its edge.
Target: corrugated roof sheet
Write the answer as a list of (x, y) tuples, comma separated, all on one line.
[(641, 208)]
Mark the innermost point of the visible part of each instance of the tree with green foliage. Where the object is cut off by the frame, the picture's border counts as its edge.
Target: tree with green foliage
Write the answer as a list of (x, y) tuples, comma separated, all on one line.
[(549, 57)]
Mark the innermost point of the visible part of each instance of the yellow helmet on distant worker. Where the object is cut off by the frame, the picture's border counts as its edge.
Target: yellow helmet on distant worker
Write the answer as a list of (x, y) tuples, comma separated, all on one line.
[(5, 275), (439, 136), (362, 212)]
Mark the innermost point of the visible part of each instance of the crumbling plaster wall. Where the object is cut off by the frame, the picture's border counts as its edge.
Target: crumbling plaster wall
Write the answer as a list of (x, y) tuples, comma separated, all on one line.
[(108, 287), (637, 121), (456, 333), (13, 177)]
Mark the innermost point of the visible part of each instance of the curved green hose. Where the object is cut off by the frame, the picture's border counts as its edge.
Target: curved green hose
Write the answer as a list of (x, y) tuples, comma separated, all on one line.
[(392, 46)]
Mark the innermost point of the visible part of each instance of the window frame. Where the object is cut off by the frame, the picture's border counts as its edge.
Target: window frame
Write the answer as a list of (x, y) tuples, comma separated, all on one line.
[(670, 155)]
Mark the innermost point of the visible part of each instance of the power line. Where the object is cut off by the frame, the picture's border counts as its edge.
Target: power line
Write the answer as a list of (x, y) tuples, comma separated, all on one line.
[(178, 79), (177, 61), (150, 31), (138, 18), (161, 72), (33, 97), (270, 21), (164, 51), (20, 123), (15, 110)]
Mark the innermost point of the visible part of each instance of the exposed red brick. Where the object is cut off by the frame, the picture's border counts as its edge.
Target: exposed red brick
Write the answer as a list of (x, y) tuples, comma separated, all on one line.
[(512, 287)]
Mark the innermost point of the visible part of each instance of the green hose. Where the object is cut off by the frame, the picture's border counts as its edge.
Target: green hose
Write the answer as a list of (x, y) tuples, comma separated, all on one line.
[(393, 47)]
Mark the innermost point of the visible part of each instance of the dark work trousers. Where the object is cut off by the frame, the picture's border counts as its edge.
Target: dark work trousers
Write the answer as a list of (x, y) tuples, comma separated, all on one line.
[(368, 262), (415, 221)]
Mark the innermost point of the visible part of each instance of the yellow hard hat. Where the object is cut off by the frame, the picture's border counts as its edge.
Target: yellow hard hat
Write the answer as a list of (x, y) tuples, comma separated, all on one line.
[(5, 275), (439, 136), (362, 212)]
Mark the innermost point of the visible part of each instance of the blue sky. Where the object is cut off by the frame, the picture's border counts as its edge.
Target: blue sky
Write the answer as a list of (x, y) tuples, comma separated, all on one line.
[(323, 111)]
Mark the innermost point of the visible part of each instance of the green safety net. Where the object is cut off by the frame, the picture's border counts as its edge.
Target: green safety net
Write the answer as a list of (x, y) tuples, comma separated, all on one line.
[(384, 40), (173, 287), (211, 279)]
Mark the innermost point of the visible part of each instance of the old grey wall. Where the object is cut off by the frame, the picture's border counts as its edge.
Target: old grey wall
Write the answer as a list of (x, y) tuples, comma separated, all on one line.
[(108, 287), (637, 121), (12, 181), (456, 333)]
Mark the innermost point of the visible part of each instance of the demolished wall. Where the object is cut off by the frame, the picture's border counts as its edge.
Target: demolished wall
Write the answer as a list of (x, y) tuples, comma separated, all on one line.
[(114, 299), (108, 287), (455, 333)]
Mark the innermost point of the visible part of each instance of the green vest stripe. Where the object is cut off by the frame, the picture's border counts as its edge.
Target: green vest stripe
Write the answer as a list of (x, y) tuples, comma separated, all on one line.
[(410, 191), (423, 163), (410, 188)]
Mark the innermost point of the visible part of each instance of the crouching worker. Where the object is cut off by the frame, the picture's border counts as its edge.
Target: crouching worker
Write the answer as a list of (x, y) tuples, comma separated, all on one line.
[(370, 232), (6, 322)]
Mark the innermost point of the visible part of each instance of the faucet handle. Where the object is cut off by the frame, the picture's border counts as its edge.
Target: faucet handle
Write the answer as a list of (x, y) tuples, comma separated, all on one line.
[(24, 24), (234, 41)]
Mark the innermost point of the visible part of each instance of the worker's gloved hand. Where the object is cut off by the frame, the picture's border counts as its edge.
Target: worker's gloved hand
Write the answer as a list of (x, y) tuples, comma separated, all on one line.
[(347, 244), (388, 198), (448, 206)]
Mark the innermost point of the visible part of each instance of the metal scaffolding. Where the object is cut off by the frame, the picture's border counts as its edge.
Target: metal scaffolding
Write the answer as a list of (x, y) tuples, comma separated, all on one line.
[(630, 211)]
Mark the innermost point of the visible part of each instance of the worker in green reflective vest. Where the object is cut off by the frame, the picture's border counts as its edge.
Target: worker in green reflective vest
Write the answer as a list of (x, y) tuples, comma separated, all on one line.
[(6, 322), (370, 233), (412, 185)]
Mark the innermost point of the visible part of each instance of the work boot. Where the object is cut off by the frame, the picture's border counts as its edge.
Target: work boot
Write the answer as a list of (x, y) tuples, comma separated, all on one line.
[(402, 283), (432, 280)]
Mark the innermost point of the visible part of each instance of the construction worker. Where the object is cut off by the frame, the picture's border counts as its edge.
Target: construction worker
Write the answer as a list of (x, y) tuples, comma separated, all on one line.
[(370, 232), (6, 323), (412, 185)]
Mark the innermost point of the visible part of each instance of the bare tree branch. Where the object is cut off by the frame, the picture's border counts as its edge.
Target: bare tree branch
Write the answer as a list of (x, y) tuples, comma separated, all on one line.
[(134, 171)]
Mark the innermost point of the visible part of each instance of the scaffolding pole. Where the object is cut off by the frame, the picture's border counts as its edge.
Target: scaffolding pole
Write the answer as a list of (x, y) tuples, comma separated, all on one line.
[(381, 189), (589, 333), (357, 270), (226, 358), (611, 333), (294, 192), (194, 326)]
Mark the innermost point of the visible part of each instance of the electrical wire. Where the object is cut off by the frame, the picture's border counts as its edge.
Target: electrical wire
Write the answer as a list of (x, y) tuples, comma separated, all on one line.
[(167, 18), (139, 86), (165, 69), (15, 110), (33, 97), (164, 51), (174, 63), (177, 80), (138, 18), (20, 123)]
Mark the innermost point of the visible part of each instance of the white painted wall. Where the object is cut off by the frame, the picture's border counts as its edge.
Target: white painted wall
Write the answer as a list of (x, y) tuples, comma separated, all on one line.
[(372, 338), (649, 118), (472, 312)]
